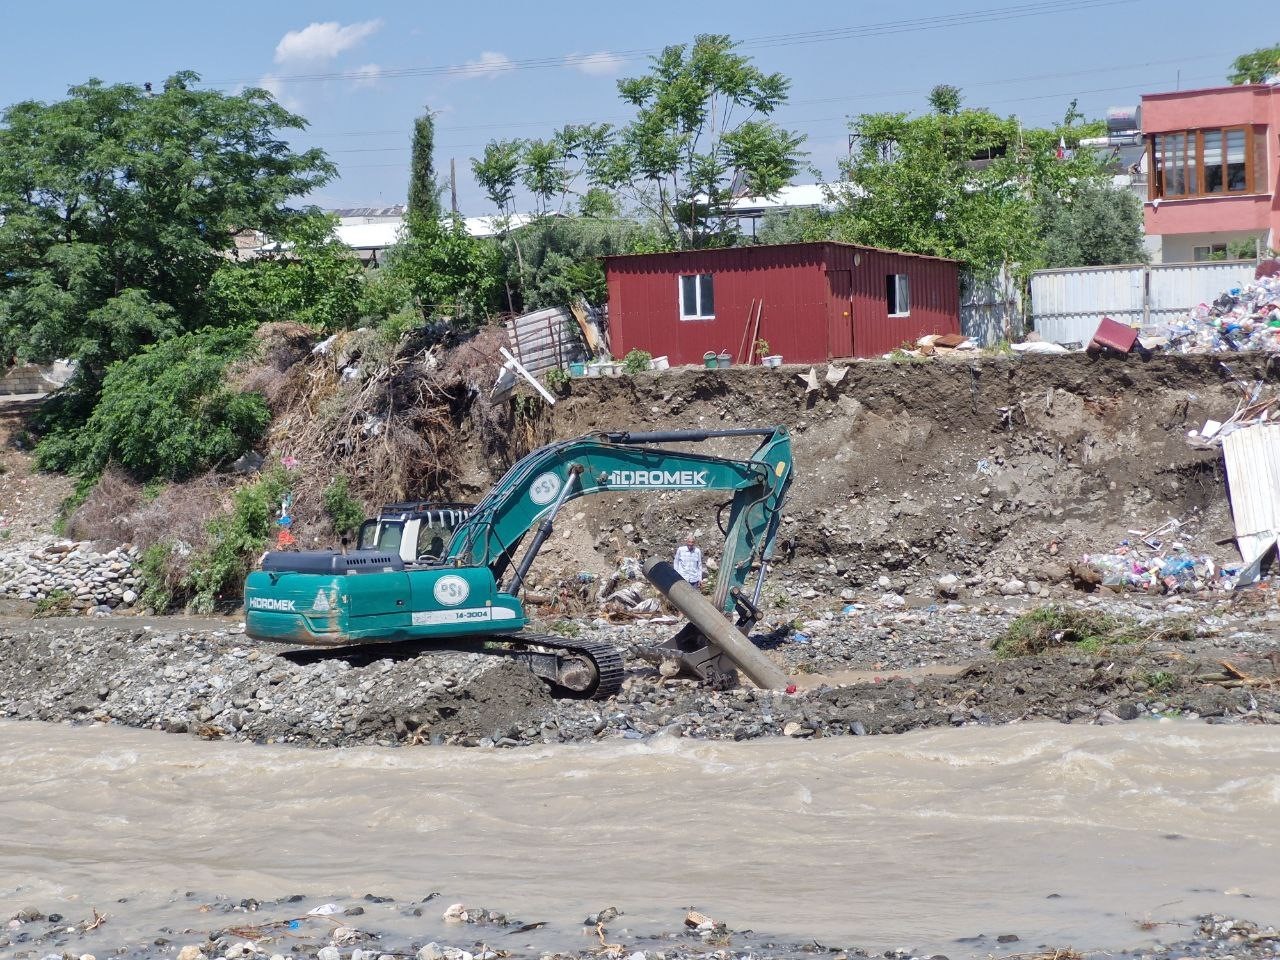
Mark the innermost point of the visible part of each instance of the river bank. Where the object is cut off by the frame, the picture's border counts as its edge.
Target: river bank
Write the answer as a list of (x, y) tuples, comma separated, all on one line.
[(881, 671)]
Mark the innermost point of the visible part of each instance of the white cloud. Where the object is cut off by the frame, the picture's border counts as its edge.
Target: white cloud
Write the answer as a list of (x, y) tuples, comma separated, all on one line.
[(323, 41), (366, 76), (602, 64), (489, 64)]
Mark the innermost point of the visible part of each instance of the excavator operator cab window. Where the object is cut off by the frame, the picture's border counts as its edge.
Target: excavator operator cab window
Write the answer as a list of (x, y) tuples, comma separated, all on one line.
[(383, 535), (432, 543)]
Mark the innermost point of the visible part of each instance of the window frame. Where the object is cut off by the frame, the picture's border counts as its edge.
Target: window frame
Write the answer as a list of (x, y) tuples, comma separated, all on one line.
[(698, 291), (900, 285), (1210, 249), (1190, 171)]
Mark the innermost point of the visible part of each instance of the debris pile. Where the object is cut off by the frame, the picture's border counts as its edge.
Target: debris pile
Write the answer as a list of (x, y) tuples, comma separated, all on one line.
[(1242, 318), (70, 575), (1151, 563)]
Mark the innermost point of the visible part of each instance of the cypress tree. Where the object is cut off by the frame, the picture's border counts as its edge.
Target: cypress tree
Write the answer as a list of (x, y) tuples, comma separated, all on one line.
[(424, 192)]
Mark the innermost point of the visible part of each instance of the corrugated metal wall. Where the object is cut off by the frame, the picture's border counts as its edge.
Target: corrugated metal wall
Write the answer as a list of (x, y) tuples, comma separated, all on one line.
[(1252, 455), (821, 300), (934, 295), (1066, 305), (644, 302)]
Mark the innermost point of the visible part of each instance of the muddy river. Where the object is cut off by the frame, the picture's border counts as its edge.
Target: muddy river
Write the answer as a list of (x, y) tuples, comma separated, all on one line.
[(1060, 834)]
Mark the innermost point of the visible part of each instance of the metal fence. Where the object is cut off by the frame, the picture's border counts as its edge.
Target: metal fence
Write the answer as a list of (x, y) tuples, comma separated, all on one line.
[(1066, 305), (991, 309)]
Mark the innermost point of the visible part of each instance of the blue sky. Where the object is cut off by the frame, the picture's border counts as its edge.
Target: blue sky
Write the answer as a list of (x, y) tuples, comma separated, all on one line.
[(361, 72)]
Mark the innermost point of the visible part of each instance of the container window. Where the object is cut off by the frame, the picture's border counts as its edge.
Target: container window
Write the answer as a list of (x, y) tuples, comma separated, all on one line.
[(898, 294), (1210, 251), (697, 297)]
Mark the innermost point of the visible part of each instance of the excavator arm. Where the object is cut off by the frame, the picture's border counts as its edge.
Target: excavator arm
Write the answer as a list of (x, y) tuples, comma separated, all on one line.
[(532, 492)]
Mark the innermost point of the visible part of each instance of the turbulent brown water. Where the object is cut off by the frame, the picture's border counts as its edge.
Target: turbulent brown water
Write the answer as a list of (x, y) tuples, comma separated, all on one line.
[(891, 841)]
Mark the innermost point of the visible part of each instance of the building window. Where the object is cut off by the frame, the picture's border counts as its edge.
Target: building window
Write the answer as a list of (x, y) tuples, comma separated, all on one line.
[(697, 297), (1201, 163), (1210, 251), (898, 293)]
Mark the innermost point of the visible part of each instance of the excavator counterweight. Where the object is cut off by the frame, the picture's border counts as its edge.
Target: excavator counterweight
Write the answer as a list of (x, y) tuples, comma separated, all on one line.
[(465, 592)]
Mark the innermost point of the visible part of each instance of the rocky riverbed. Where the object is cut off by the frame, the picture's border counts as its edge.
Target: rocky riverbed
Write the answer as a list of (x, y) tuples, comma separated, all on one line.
[(374, 927), (870, 671)]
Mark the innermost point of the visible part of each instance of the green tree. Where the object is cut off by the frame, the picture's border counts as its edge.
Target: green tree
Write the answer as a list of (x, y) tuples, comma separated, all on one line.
[(424, 190), (311, 277), (960, 185), (440, 272), (1099, 226), (1256, 67), (117, 206), (702, 123), (166, 412)]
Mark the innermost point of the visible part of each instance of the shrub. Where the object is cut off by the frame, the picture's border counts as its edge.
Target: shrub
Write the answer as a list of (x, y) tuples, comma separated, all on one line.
[(1047, 628), (344, 510), (636, 361), (165, 413), (235, 540), (556, 378)]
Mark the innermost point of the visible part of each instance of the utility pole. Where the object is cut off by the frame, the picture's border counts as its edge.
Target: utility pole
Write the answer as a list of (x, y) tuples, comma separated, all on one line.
[(453, 185)]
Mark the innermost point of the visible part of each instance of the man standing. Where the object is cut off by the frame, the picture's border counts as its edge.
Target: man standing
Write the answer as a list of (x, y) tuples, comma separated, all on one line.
[(688, 562)]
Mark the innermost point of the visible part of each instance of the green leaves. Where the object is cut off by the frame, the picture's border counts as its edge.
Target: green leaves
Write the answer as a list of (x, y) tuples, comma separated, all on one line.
[(959, 183), (701, 120), (165, 413), (1255, 67), (113, 193)]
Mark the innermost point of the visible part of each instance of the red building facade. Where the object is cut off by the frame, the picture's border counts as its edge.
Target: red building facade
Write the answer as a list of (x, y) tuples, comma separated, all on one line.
[(818, 301)]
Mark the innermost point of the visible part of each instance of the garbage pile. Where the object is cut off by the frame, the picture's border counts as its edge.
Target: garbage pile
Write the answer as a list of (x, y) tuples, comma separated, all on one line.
[(1242, 318), (1149, 563)]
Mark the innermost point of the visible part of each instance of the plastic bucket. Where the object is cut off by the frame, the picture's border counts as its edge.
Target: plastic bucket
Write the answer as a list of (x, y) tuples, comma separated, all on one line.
[(659, 363), (710, 360), (725, 360), (773, 360), (577, 369)]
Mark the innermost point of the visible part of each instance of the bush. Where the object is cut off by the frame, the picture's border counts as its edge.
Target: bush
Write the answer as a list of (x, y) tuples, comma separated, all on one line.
[(235, 541), (556, 378), (636, 361), (344, 510), (164, 413)]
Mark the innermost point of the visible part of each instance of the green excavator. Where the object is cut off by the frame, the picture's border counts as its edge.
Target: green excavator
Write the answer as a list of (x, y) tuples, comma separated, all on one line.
[(410, 586)]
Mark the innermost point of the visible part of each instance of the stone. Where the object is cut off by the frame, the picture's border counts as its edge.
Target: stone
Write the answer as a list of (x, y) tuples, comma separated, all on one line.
[(1013, 588), (431, 951), (129, 596), (949, 585), (847, 594), (1127, 710), (328, 953)]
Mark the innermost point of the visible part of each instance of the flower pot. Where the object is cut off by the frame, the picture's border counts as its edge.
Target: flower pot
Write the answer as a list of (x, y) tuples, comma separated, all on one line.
[(709, 360), (773, 360), (724, 360), (593, 370), (659, 363)]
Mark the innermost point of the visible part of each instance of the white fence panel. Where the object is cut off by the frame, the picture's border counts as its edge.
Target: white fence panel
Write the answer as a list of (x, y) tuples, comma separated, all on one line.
[(1177, 287), (1066, 305)]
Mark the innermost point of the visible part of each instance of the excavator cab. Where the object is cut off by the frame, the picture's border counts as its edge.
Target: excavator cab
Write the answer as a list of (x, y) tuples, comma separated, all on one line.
[(417, 532)]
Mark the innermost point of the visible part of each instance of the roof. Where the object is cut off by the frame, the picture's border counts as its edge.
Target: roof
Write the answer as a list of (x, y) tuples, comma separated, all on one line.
[(1254, 87), (779, 246), (395, 210), (795, 195), (370, 236)]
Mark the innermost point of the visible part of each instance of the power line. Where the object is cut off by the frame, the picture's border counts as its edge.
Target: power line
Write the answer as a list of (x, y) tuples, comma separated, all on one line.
[(919, 24)]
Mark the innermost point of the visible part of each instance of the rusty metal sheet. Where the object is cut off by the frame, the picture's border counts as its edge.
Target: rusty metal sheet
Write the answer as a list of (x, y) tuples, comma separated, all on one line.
[(1252, 456)]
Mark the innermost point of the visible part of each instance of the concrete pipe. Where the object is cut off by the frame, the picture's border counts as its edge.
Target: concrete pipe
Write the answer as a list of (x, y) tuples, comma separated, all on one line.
[(702, 613)]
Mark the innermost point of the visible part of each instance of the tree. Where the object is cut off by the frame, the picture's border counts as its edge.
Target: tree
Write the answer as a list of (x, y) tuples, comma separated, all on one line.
[(1099, 226), (960, 185), (117, 207), (424, 191), (701, 128), (1260, 66), (441, 272), (944, 98), (312, 277), (166, 413)]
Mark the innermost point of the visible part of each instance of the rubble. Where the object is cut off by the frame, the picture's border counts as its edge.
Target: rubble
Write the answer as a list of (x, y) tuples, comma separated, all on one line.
[(70, 575)]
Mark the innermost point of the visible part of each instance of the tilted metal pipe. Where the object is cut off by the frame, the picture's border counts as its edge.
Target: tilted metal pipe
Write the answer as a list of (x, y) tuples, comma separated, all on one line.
[(762, 671)]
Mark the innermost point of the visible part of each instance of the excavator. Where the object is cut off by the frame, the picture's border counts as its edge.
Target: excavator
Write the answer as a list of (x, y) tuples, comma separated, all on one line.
[(466, 590)]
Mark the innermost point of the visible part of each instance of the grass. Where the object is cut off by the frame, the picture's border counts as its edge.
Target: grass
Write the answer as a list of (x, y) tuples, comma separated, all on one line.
[(56, 603), (566, 628), (1161, 681), (1057, 627)]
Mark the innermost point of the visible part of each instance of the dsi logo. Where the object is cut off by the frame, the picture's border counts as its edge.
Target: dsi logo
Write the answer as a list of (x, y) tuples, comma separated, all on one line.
[(544, 489), (451, 590)]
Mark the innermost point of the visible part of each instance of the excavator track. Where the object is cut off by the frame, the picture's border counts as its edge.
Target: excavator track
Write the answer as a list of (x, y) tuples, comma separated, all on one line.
[(583, 669), (604, 659)]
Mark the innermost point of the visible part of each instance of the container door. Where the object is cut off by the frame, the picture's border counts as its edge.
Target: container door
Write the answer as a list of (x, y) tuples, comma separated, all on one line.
[(840, 323)]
